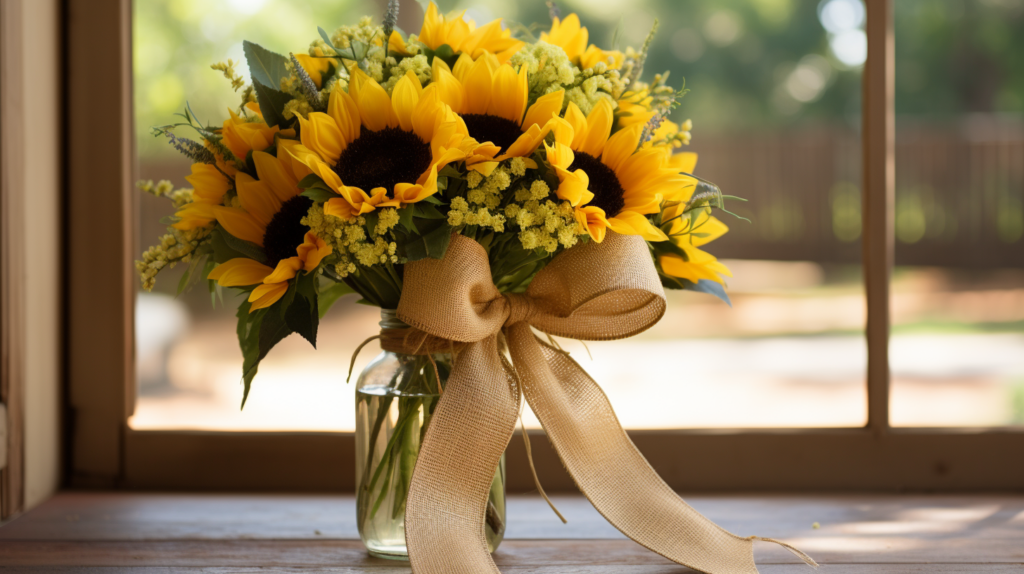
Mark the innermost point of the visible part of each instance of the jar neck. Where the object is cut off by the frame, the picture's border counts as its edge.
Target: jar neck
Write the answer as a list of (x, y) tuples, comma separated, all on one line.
[(389, 320)]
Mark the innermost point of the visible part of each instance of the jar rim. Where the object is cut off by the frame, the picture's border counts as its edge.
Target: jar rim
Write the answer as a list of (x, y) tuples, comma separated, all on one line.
[(389, 320)]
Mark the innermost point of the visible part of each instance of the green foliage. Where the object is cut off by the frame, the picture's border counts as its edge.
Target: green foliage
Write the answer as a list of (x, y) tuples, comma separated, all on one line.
[(259, 331), (226, 246), (265, 66), (330, 296), (432, 244), (272, 103)]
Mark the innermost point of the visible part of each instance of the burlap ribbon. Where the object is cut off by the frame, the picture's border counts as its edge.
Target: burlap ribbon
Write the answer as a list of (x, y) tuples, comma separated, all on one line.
[(596, 291)]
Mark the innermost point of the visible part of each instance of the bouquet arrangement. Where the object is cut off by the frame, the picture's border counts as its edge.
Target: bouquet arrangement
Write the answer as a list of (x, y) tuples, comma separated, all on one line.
[(344, 163), (482, 182)]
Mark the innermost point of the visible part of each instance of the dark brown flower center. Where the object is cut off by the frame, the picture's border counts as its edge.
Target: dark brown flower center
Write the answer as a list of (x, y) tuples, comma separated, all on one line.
[(498, 131), (608, 192), (284, 232), (382, 159)]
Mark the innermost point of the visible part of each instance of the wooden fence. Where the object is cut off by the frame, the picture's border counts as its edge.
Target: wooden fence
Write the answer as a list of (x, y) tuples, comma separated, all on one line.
[(959, 193)]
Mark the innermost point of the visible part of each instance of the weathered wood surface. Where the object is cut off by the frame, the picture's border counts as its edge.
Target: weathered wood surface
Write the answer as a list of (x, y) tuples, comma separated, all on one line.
[(157, 533)]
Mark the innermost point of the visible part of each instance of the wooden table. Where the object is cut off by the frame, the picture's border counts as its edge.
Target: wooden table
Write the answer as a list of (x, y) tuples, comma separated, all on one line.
[(163, 533)]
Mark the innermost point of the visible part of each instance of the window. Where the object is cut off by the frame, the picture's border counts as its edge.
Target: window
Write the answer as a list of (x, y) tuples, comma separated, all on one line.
[(824, 260)]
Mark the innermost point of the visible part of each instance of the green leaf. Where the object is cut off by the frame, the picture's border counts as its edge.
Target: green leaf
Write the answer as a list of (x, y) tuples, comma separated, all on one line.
[(302, 316), (427, 211), (711, 288), (272, 104), (328, 297), (319, 194), (405, 216), (326, 38), (433, 244), (312, 180), (433, 199), (240, 247), (265, 66), (450, 171), (257, 333), (445, 52)]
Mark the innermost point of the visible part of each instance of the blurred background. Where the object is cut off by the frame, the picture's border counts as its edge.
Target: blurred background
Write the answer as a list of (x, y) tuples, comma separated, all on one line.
[(775, 100)]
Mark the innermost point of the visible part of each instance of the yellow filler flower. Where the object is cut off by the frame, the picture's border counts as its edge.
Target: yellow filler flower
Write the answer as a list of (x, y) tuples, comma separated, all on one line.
[(491, 100), (269, 217), (612, 184), (379, 151), (572, 37), (463, 35)]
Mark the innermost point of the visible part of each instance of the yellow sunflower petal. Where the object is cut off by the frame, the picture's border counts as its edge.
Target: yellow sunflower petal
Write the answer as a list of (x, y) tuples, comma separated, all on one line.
[(710, 230), (508, 99), (449, 89), (345, 112), (404, 99), (257, 198), (266, 295), (240, 224), (240, 272), (462, 67), (684, 161), (374, 104), (194, 215), (208, 183), (575, 118), (632, 223), (278, 178), (312, 251), (543, 109), (321, 134), (621, 145), (599, 126), (478, 83), (285, 270)]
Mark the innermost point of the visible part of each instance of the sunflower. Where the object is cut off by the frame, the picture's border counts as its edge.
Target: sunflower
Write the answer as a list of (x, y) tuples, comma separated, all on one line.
[(379, 151), (209, 185), (491, 100), (269, 216), (461, 35), (696, 264), (612, 184), (572, 37)]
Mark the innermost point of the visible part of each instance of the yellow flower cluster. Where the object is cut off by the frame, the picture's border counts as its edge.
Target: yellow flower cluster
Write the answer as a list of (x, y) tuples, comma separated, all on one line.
[(228, 69), (164, 188), (365, 31), (485, 196), (174, 247), (349, 241), (544, 223), (593, 84), (548, 67), (418, 64)]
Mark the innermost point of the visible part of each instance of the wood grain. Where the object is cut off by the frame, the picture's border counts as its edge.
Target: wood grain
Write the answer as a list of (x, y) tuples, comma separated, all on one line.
[(101, 246), (879, 141), (236, 533), (12, 253)]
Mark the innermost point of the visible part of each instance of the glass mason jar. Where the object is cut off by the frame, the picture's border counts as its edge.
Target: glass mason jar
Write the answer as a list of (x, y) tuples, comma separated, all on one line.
[(396, 396)]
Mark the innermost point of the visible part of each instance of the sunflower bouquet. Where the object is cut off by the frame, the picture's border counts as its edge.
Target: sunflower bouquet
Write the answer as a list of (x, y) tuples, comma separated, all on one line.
[(361, 165)]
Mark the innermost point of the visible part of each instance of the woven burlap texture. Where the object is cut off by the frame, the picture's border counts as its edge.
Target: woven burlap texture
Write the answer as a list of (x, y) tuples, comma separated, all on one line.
[(596, 291)]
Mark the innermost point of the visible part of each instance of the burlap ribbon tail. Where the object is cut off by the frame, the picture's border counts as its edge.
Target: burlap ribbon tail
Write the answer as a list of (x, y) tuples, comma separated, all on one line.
[(595, 291)]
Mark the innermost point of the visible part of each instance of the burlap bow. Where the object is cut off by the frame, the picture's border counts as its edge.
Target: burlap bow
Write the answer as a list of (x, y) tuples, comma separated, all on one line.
[(596, 291)]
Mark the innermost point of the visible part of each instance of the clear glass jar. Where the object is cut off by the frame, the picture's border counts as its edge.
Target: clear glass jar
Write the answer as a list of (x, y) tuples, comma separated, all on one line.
[(396, 396)]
